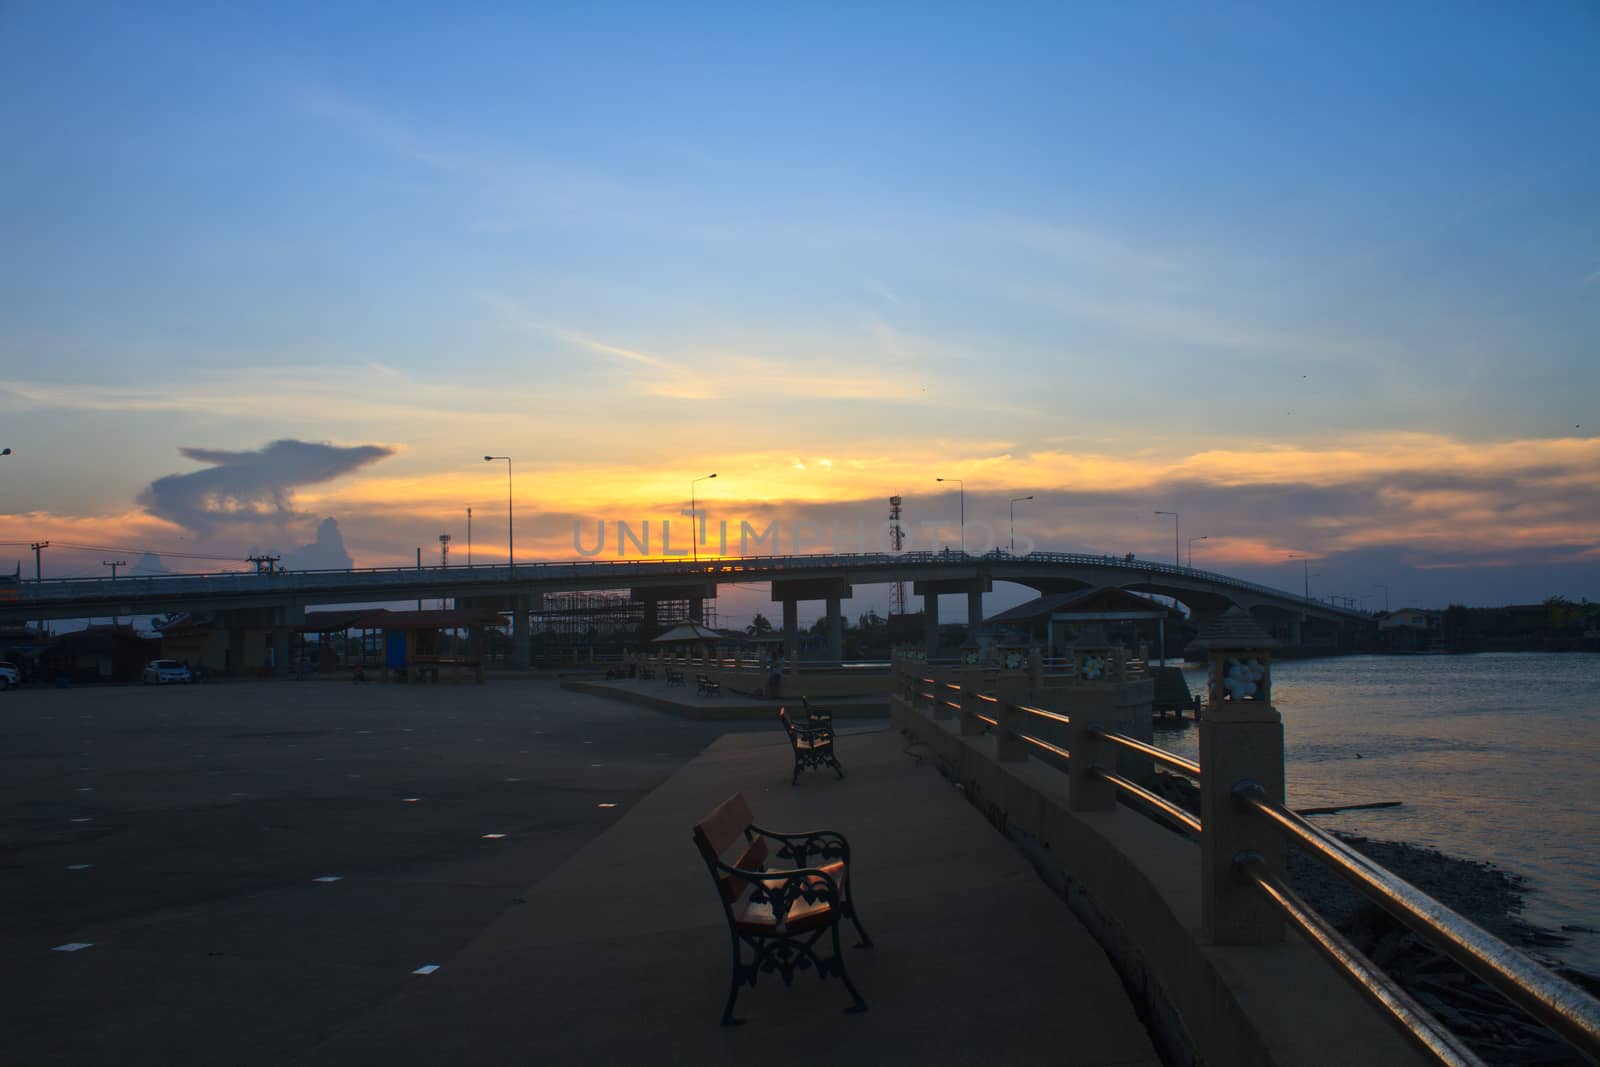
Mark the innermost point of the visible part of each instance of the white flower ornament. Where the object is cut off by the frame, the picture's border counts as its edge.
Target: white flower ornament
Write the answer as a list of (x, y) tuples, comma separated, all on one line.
[(1243, 679)]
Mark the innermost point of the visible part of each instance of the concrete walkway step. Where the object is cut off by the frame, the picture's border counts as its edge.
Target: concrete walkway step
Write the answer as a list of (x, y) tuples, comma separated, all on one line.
[(685, 701), (621, 954)]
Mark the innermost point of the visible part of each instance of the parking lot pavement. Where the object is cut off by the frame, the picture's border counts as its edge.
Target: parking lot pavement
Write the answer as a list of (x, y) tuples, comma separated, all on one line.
[(253, 865)]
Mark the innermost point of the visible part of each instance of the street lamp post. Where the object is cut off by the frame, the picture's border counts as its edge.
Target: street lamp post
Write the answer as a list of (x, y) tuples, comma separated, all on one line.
[(1177, 528), (511, 553), (694, 525), (1014, 504), (1305, 566), (1192, 540), (963, 487)]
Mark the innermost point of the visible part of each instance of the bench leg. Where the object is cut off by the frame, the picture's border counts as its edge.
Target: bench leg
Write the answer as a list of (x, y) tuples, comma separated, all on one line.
[(733, 987), (860, 1004), (850, 910)]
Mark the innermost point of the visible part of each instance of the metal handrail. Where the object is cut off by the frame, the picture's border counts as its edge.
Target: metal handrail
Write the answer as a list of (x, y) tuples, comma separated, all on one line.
[(1028, 709), (1382, 990), (1563, 1007), (1556, 1003), (1160, 803), (1159, 755), (1047, 746), (987, 719)]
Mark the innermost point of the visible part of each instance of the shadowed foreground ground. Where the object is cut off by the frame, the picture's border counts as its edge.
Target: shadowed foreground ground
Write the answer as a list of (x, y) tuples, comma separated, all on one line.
[(585, 933)]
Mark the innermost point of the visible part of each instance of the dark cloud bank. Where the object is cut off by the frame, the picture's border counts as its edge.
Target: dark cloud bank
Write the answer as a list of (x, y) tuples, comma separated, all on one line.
[(257, 489)]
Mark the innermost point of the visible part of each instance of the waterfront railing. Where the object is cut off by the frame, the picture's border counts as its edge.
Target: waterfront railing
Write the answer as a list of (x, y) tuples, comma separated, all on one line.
[(1241, 831)]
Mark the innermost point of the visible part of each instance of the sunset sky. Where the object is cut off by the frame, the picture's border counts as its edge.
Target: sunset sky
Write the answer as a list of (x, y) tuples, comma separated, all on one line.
[(1324, 278)]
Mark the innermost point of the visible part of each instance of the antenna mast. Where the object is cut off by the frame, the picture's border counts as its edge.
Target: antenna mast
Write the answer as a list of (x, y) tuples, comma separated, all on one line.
[(897, 540)]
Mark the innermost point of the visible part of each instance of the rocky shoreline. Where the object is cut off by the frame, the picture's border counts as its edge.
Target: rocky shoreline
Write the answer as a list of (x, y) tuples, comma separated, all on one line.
[(1489, 896)]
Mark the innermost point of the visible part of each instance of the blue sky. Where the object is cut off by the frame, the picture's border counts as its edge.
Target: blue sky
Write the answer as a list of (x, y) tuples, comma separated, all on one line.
[(1096, 253)]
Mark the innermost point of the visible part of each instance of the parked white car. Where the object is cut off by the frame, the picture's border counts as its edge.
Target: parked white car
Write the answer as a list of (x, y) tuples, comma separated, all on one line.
[(9, 675), (166, 672)]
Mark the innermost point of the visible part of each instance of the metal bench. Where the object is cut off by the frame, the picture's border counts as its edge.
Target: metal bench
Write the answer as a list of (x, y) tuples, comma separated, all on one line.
[(812, 745), (707, 688), (779, 914), (817, 716)]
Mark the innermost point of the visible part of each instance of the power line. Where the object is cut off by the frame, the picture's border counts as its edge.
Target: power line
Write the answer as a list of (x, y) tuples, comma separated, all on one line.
[(125, 550)]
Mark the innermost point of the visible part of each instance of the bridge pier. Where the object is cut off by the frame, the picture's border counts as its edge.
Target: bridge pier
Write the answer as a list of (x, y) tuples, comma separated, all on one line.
[(278, 645), (830, 590), (930, 589), (791, 630), (521, 630), (835, 629)]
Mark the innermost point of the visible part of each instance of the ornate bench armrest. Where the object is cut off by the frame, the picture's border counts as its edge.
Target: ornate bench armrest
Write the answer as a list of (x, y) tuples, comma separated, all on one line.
[(782, 888), (799, 847)]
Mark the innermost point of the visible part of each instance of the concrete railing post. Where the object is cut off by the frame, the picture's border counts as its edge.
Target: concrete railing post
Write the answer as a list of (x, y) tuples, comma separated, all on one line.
[(1009, 748), (1036, 670), (1240, 741), (1092, 709), (941, 695), (969, 680)]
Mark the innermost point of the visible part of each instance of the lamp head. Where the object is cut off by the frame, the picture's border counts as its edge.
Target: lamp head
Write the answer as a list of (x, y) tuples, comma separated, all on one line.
[(488, 459)]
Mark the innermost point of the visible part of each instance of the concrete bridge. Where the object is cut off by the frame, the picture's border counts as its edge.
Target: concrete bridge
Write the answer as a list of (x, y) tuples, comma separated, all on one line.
[(277, 601)]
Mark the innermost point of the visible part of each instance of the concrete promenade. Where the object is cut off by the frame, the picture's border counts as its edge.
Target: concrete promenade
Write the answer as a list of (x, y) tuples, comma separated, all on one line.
[(181, 833), (621, 954)]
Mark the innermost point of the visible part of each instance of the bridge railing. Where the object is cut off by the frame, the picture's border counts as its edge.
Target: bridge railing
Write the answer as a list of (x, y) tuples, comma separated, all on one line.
[(464, 577), (1246, 898)]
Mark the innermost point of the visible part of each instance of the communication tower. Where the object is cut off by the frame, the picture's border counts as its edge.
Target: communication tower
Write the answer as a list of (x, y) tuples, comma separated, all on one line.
[(897, 540), (444, 550)]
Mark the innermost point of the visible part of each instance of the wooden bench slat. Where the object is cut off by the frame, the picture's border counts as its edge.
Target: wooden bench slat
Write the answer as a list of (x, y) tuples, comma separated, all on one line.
[(724, 825)]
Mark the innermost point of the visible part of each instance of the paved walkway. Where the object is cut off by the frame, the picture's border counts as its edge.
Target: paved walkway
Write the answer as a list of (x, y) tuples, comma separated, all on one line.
[(620, 954)]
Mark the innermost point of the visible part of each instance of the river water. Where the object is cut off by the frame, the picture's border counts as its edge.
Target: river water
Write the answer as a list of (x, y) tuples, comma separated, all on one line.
[(1493, 756)]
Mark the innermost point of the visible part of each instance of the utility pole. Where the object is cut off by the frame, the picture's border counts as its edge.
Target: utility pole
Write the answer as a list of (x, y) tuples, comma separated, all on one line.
[(469, 537), (444, 558), (264, 564), (113, 564), (38, 570)]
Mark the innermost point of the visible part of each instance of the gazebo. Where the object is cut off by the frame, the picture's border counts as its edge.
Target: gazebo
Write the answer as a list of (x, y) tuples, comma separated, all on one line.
[(688, 634), (1058, 613)]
